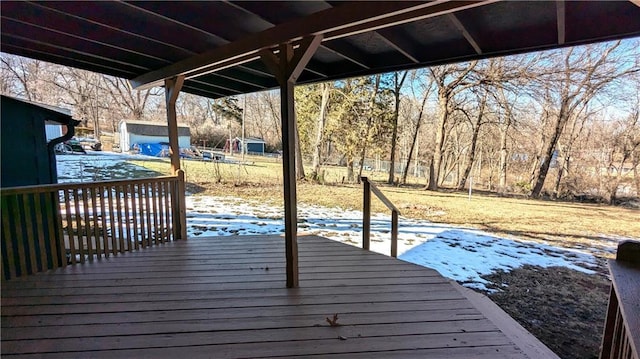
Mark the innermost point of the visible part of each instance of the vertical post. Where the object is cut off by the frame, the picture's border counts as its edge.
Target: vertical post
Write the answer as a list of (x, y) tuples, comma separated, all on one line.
[(172, 90), (287, 67), (394, 233), (181, 220), (366, 214), (289, 175), (244, 113)]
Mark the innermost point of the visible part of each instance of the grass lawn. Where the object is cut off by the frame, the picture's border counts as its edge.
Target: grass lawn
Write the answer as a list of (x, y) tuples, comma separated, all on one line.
[(587, 226)]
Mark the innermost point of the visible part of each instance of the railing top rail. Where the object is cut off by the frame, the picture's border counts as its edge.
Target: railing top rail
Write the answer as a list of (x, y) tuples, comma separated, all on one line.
[(46, 188), (625, 278), (380, 195)]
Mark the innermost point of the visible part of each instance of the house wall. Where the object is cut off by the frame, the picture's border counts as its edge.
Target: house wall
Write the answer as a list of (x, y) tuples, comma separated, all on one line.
[(24, 155), (255, 147)]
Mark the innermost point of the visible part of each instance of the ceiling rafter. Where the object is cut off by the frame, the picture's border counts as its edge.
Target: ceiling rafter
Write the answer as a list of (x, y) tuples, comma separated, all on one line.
[(348, 53), (334, 22), (215, 85), (560, 15), (101, 43), (113, 28), (435, 8), (456, 22), (335, 47), (206, 33), (54, 58), (399, 43), (229, 81), (89, 55), (218, 38)]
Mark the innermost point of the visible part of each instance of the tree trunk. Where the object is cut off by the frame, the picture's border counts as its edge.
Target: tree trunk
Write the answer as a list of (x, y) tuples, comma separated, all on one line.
[(317, 148), (502, 167), (434, 174), (472, 155), (562, 170), (411, 149), (350, 173), (635, 160), (502, 175), (299, 160), (394, 135), (431, 177), (538, 181)]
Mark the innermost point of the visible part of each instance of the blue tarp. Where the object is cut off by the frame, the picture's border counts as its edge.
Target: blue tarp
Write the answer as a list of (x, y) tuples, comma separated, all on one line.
[(159, 150), (152, 149)]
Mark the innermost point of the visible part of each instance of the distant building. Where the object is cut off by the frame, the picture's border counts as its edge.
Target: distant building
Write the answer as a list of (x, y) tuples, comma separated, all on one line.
[(139, 132), (254, 146), (27, 148)]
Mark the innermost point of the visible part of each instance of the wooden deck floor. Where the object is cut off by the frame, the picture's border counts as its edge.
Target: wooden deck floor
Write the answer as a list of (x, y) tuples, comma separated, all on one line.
[(226, 298)]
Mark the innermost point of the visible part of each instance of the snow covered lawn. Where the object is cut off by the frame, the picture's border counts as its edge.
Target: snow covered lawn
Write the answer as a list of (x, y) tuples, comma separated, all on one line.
[(457, 253)]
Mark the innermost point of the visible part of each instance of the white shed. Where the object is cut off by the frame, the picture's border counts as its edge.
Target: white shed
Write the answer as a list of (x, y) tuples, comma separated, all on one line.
[(137, 132)]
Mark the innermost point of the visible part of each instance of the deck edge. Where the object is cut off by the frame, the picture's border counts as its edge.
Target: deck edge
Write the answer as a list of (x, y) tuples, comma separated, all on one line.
[(531, 346)]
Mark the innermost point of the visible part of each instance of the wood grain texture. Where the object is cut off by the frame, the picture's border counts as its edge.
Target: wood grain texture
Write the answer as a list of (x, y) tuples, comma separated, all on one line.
[(192, 299)]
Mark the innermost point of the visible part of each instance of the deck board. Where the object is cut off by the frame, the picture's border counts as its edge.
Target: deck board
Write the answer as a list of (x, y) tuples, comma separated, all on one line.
[(214, 297)]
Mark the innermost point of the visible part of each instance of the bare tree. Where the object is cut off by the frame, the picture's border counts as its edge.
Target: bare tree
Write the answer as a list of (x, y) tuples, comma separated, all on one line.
[(571, 83), (26, 72), (450, 80), (476, 123), (427, 89)]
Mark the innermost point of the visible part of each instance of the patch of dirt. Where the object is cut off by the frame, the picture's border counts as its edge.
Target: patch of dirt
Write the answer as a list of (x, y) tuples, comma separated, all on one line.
[(563, 308)]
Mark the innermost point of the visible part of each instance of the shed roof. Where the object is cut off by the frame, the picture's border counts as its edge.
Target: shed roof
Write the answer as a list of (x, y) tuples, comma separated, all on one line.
[(154, 128), (251, 140), (51, 113), (216, 44)]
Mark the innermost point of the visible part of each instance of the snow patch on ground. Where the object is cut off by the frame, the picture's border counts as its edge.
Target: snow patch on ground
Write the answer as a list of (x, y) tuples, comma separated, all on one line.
[(100, 166), (461, 254)]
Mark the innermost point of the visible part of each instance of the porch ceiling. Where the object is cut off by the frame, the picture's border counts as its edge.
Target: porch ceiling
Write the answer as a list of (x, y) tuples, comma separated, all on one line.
[(147, 41)]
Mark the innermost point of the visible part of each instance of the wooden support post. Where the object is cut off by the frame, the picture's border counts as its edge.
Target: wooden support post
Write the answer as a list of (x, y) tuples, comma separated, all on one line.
[(366, 214), (394, 234), (181, 212), (287, 67), (172, 90)]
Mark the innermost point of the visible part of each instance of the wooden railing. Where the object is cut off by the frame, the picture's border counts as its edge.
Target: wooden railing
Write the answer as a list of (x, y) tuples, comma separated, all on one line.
[(621, 339), (50, 226), (366, 216)]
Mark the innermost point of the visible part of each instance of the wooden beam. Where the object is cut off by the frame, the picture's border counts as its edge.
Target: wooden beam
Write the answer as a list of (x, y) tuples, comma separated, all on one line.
[(435, 8), (350, 53), (560, 15), (287, 65), (172, 90), (336, 22), (456, 22), (399, 44), (302, 56), (341, 49), (279, 65)]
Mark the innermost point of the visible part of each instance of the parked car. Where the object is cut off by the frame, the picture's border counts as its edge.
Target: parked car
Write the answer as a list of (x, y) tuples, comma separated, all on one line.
[(70, 146)]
